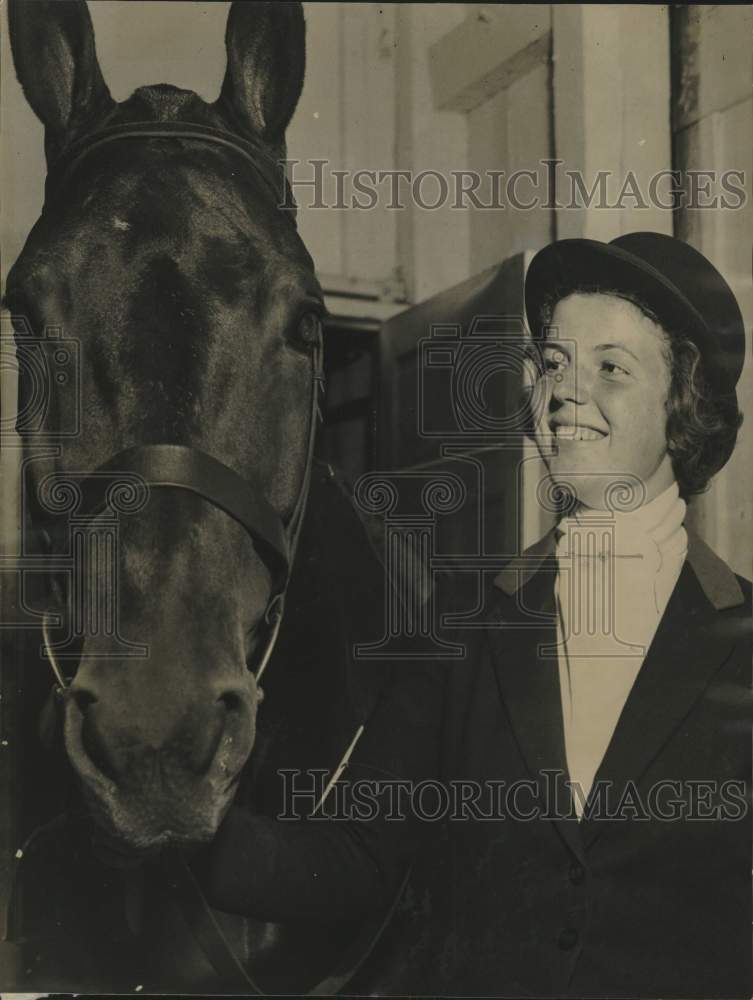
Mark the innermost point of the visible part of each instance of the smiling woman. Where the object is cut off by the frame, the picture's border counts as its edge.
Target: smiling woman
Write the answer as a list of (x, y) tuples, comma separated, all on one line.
[(701, 427), (630, 664), (643, 343), (606, 381)]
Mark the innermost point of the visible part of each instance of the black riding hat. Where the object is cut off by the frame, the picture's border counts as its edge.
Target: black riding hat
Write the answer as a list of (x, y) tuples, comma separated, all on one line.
[(683, 289)]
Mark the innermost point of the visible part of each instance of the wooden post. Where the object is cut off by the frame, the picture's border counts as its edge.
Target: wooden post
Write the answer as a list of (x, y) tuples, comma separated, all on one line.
[(611, 112)]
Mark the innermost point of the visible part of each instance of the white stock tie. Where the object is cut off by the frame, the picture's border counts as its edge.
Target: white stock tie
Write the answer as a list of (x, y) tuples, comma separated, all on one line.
[(616, 572)]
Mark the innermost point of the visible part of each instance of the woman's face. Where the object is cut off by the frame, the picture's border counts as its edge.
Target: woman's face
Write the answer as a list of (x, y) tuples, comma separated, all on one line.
[(604, 387)]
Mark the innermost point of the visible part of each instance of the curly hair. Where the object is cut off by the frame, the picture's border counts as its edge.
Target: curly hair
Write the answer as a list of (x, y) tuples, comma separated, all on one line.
[(702, 425)]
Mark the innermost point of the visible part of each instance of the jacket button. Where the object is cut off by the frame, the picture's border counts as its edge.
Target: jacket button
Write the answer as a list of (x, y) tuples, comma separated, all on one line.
[(577, 874), (568, 938)]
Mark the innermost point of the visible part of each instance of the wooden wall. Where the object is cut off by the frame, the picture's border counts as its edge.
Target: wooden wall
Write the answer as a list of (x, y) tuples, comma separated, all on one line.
[(712, 128)]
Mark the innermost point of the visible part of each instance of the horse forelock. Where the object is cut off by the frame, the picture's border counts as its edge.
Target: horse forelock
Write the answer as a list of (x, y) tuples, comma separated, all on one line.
[(165, 102), (160, 102)]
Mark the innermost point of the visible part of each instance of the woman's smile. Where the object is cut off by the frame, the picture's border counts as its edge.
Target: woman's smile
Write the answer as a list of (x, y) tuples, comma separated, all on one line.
[(604, 381)]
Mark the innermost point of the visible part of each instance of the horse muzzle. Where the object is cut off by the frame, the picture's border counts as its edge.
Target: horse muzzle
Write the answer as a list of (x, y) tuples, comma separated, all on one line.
[(153, 772)]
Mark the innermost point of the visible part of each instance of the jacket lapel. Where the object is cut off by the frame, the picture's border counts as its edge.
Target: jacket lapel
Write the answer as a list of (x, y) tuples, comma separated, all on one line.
[(685, 653), (527, 672)]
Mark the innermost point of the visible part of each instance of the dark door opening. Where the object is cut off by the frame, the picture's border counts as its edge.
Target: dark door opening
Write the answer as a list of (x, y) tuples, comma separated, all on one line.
[(348, 436)]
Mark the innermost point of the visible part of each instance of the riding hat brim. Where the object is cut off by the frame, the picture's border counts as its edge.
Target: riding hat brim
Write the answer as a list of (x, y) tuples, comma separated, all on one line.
[(683, 290)]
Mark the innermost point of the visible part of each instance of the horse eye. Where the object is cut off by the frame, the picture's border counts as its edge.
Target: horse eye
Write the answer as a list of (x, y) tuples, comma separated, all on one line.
[(309, 328)]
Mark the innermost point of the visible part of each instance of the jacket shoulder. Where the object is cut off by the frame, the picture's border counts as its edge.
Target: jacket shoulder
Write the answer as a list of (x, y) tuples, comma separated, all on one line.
[(722, 587)]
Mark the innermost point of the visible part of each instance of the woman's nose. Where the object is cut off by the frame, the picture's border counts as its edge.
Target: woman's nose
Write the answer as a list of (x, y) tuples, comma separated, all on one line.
[(571, 384)]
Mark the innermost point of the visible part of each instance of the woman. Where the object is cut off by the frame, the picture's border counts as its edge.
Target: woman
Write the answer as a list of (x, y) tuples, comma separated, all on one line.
[(603, 716)]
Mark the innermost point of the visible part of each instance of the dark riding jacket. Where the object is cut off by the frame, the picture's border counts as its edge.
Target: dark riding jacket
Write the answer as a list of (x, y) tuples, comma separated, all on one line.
[(648, 896)]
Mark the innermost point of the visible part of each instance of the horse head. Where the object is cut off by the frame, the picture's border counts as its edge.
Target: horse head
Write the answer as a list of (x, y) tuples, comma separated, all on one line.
[(164, 255)]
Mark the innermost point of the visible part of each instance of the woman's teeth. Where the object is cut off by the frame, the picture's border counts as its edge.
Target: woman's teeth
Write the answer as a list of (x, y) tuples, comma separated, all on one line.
[(571, 433)]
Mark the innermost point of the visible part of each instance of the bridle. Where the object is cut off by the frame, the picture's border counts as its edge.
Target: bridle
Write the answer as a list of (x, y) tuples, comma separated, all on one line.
[(257, 156), (170, 466)]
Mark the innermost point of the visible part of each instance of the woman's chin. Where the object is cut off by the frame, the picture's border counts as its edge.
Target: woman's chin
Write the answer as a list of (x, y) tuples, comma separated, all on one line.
[(598, 490)]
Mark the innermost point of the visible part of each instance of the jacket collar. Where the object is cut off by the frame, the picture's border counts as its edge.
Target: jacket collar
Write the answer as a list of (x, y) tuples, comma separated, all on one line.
[(717, 580)]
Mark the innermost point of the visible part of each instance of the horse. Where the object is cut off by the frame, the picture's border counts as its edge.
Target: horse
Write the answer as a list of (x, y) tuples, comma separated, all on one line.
[(175, 473)]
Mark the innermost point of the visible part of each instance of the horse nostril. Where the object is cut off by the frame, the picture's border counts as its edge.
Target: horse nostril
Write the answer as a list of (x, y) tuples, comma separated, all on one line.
[(84, 699), (232, 701)]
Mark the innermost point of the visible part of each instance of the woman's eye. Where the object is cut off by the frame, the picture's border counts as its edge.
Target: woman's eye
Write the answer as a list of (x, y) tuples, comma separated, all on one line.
[(309, 329), (612, 369), (553, 362)]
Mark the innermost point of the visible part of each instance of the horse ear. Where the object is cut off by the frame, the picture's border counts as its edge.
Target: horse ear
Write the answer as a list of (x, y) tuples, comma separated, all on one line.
[(56, 63), (266, 58)]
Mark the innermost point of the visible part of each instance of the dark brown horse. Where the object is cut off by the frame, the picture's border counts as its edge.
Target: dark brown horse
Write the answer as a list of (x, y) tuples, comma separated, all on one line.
[(162, 251), (164, 257)]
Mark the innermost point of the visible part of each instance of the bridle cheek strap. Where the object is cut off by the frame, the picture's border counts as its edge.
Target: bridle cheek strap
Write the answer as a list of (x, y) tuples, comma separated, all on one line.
[(276, 605)]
